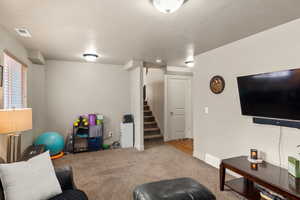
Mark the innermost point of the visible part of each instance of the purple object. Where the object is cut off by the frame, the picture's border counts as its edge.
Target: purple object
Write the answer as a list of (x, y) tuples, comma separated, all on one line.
[(92, 119)]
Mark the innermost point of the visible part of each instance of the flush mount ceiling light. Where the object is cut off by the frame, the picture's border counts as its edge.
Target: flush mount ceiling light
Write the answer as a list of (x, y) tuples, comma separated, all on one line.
[(23, 32), (168, 6), (189, 63), (90, 57), (158, 60)]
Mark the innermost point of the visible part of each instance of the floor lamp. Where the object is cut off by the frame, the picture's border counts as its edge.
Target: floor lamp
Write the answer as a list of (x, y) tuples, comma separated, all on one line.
[(12, 123)]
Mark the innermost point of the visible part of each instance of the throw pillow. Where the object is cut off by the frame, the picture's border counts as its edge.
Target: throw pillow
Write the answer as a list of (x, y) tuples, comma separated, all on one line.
[(34, 179)]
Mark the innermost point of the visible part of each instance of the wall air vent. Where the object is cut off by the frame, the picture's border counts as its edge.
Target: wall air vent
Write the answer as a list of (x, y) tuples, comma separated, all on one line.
[(23, 32)]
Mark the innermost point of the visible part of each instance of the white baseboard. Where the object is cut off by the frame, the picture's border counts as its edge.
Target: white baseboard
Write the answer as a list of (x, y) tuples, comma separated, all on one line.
[(140, 147), (197, 155), (214, 162), (166, 139)]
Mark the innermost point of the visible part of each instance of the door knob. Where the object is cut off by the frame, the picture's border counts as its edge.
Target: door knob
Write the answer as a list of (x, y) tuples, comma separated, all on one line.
[(172, 113)]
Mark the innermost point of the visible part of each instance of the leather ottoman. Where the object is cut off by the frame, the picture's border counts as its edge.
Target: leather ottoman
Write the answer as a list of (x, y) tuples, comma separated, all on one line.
[(176, 189)]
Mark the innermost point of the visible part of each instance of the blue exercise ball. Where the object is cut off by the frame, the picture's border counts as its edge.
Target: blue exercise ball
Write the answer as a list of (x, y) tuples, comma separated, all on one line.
[(53, 141)]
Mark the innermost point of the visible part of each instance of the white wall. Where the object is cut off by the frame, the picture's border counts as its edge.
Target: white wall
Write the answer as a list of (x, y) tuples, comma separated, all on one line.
[(173, 70), (35, 88), (154, 81), (224, 132), (136, 99), (74, 88)]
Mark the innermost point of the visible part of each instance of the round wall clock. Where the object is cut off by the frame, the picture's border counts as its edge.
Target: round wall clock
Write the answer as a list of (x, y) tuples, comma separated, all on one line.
[(217, 84)]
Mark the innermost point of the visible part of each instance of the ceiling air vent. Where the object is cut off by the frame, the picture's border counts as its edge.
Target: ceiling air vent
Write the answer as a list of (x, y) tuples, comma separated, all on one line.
[(23, 32)]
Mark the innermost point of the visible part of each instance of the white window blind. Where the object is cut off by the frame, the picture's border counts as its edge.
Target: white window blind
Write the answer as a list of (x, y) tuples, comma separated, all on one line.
[(14, 75)]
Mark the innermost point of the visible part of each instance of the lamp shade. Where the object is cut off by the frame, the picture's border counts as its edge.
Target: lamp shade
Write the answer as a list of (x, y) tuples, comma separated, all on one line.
[(15, 120)]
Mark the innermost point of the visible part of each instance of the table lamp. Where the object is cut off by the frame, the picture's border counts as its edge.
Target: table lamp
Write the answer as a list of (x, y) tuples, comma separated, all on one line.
[(12, 122)]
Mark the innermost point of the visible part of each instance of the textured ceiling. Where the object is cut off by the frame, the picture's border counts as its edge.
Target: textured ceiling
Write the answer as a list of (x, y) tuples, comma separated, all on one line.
[(121, 30)]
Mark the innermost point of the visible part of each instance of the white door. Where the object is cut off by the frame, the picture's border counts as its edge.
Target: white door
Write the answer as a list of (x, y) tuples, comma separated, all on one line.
[(177, 104)]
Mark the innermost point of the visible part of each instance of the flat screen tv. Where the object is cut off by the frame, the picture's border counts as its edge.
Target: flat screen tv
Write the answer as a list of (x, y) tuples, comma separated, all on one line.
[(271, 95)]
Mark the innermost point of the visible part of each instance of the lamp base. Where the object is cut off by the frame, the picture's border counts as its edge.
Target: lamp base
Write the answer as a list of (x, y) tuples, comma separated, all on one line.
[(13, 147)]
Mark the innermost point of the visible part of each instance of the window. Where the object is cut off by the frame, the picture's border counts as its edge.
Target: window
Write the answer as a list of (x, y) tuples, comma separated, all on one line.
[(14, 83)]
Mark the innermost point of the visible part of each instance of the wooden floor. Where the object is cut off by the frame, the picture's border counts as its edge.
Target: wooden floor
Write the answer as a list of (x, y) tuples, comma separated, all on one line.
[(185, 145)]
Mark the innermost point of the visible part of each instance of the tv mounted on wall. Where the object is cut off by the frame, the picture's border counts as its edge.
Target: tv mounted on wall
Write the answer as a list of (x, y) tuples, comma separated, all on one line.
[(271, 95)]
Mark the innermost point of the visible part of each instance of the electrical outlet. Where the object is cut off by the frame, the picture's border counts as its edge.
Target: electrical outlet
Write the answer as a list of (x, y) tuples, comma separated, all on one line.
[(110, 134)]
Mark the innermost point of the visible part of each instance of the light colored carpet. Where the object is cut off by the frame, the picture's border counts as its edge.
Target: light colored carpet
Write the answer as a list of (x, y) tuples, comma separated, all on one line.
[(113, 174)]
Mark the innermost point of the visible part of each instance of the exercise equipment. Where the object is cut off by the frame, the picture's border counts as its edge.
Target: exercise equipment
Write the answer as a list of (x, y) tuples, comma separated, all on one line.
[(53, 141)]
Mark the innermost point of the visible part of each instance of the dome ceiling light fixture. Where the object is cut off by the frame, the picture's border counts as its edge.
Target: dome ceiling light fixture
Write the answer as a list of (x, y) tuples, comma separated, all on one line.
[(158, 60), (189, 63), (90, 57), (168, 6)]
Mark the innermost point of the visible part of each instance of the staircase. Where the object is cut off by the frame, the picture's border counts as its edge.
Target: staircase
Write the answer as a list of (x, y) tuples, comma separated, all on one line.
[(151, 130)]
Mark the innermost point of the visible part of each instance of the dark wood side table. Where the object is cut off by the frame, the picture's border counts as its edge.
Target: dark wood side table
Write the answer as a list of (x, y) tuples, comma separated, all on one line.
[(267, 175)]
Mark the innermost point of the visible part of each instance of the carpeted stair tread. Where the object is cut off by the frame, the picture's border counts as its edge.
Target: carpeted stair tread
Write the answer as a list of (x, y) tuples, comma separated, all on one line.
[(151, 124), (156, 136), (148, 123), (148, 113), (149, 118), (151, 129)]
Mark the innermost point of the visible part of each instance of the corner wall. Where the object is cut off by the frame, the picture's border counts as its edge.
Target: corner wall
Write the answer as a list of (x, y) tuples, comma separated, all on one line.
[(137, 102), (35, 88), (75, 88), (36, 91), (154, 81), (224, 132)]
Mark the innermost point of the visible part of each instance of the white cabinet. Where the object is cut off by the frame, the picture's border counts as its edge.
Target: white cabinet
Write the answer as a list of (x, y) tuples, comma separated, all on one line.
[(127, 135)]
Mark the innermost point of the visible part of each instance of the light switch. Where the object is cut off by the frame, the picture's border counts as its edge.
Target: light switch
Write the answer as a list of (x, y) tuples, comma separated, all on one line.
[(206, 110)]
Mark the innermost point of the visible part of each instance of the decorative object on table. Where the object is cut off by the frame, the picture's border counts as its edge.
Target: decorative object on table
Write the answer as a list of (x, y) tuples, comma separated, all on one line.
[(257, 161), (253, 158), (254, 166), (38, 173), (294, 166), (88, 133), (1, 76), (12, 122), (254, 154), (54, 142), (217, 84)]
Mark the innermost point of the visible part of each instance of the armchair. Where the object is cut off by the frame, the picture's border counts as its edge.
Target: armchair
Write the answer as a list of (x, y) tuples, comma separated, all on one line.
[(66, 181)]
